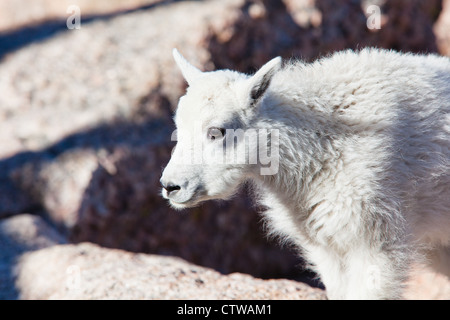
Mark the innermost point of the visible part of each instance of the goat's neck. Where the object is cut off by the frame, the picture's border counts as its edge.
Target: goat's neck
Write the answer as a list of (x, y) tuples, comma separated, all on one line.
[(301, 153)]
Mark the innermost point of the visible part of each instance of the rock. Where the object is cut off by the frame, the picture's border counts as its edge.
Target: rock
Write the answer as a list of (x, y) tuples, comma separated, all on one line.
[(428, 284), (35, 263), (59, 185), (442, 27), (86, 271), (20, 234), (73, 84), (309, 29), (19, 13), (26, 232)]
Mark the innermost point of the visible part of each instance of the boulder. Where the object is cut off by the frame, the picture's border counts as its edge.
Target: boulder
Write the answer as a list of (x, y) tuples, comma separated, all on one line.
[(20, 13), (36, 263), (310, 29), (428, 284), (442, 27), (18, 235), (87, 271)]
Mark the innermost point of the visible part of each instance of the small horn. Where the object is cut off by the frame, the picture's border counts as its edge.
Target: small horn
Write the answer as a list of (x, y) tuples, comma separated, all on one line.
[(190, 73)]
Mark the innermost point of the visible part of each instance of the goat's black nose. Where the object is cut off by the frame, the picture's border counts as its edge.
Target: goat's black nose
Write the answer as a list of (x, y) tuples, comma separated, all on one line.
[(170, 187)]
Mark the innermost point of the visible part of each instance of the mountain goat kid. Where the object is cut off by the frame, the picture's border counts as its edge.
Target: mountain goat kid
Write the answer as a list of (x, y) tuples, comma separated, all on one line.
[(358, 176)]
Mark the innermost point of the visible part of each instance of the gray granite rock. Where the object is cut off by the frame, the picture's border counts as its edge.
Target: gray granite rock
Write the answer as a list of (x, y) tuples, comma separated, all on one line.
[(18, 235), (35, 263), (86, 271), (442, 27)]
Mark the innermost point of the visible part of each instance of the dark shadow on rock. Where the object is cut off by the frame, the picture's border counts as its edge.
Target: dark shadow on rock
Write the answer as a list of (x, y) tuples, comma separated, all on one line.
[(407, 26), (19, 235), (257, 39), (141, 129)]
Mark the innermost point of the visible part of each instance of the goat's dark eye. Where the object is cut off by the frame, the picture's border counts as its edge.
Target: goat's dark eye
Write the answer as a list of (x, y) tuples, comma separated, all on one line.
[(216, 133)]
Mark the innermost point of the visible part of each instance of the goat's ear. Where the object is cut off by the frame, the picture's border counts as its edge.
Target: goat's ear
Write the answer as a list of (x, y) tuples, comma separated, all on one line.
[(260, 81), (188, 70)]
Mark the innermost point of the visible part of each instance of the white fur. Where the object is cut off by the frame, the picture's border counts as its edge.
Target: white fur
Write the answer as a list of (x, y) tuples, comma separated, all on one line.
[(363, 185)]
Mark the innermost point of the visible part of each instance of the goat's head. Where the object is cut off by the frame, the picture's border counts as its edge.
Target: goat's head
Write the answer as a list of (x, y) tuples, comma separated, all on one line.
[(218, 145)]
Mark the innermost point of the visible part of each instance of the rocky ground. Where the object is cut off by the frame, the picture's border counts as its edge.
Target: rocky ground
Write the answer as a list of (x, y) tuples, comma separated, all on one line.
[(47, 268), (85, 131)]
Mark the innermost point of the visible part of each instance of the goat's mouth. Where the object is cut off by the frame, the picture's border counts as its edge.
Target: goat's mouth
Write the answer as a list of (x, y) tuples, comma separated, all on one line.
[(183, 205), (193, 202), (179, 202)]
